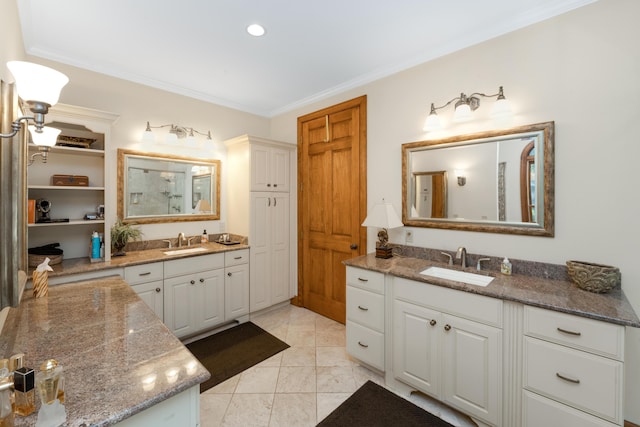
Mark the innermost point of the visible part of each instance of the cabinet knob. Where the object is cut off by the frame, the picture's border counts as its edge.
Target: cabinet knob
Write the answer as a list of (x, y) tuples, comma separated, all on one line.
[(275, 185), (158, 290), (193, 282), (268, 185), (229, 274), (433, 322), (447, 327), (201, 280)]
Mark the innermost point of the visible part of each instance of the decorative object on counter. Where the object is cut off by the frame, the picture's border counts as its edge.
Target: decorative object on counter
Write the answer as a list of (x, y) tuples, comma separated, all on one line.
[(121, 233), (465, 105), (70, 180), (25, 394), (205, 237), (38, 254), (384, 216), (6, 409), (41, 279), (49, 382), (593, 277), (505, 267)]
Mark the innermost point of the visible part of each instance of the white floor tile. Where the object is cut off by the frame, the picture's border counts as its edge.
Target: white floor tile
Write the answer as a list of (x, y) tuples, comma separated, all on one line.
[(294, 410)]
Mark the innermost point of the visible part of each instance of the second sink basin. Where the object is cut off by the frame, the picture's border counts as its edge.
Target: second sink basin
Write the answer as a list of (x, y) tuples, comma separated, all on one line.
[(458, 276), (185, 251)]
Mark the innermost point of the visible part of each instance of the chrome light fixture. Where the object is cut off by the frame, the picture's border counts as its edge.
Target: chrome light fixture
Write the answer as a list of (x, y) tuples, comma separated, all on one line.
[(383, 216), (465, 105), (175, 133)]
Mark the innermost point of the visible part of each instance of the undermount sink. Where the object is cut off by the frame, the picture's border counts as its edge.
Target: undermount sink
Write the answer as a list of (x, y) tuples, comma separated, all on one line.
[(458, 276), (185, 251)]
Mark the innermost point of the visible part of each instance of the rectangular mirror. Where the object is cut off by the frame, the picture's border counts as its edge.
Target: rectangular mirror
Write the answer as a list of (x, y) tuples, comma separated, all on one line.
[(497, 181), (155, 188)]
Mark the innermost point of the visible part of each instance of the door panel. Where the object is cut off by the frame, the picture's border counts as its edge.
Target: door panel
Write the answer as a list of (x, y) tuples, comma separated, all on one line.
[(332, 203)]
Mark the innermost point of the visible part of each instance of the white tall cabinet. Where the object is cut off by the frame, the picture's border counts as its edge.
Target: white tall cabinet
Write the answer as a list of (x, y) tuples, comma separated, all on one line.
[(261, 204)]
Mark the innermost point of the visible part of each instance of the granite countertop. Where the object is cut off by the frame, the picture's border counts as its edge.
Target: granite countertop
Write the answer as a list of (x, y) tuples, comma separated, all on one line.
[(109, 343), (558, 295), (135, 257)]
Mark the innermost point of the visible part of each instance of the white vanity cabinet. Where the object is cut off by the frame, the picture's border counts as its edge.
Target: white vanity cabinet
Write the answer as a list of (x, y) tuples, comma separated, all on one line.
[(366, 316), (262, 200), (573, 370), (448, 344), (147, 281), (194, 294), (236, 284)]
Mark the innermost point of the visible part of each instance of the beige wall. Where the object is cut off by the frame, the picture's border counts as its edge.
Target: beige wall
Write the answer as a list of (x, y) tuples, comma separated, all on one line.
[(11, 47), (582, 70)]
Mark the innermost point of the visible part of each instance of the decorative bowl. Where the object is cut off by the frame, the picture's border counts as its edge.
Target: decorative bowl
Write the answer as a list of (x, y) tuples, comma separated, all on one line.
[(593, 277)]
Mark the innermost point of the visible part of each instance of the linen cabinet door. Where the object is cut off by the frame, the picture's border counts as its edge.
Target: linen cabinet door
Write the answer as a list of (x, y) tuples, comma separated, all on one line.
[(472, 361), (416, 348)]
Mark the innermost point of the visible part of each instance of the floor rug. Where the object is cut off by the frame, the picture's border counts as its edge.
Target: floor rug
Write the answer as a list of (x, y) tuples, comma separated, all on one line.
[(374, 406), (230, 352)]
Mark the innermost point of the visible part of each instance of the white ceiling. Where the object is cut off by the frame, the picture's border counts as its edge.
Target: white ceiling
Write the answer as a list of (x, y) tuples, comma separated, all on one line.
[(312, 48)]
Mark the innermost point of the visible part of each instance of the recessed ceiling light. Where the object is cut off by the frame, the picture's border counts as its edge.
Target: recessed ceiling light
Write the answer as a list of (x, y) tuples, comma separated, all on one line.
[(255, 30)]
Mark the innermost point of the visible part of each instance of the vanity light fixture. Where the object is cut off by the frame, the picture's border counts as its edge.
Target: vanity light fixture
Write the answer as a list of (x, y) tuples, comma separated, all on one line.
[(465, 105), (39, 87), (175, 133), (383, 216), (462, 179)]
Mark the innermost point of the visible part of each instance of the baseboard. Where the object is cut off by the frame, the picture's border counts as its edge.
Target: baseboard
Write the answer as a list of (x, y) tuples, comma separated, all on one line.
[(630, 424)]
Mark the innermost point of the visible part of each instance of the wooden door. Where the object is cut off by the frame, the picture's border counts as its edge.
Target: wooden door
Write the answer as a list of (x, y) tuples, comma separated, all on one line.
[(331, 203)]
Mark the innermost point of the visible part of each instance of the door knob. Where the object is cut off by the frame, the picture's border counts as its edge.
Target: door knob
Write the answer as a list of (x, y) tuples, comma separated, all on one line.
[(354, 246)]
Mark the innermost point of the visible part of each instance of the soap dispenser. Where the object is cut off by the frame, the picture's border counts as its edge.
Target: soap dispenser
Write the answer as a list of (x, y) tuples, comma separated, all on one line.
[(205, 237), (505, 267)]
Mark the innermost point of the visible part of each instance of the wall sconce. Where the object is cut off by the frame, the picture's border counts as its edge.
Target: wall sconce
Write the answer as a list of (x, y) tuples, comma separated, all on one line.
[(383, 216), (462, 179), (175, 133), (465, 105), (39, 87)]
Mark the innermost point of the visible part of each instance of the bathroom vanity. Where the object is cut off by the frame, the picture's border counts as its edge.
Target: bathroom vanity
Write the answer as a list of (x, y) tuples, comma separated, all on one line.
[(520, 351)]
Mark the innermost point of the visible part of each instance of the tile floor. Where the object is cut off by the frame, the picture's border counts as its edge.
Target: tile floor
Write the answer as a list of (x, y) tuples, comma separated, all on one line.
[(297, 387)]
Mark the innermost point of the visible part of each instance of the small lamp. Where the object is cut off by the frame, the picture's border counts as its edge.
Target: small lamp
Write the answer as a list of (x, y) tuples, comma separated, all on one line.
[(383, 216), (203, 206)]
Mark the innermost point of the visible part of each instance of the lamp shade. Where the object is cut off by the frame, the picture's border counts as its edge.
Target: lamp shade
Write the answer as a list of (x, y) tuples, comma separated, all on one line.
[(462, 113), (382, 215), (47, 137), (432, 123), (203, 206), (501, 108), (36, 82)]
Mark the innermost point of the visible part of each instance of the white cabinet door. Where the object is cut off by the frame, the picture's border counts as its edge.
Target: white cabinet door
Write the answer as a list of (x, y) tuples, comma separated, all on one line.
[(179, 303), (236, 291), (269, 168), (472, 362), (279, 169), (270, 252), (151, 293), (209, 299), (416, 347)]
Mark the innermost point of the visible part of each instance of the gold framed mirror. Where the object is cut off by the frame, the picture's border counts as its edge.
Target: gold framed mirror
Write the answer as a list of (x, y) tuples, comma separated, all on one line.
[(156, 188), (485, 187)]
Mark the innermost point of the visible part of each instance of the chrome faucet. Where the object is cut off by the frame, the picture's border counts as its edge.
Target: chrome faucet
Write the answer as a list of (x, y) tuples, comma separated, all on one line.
[(462, 254), (181, 238)]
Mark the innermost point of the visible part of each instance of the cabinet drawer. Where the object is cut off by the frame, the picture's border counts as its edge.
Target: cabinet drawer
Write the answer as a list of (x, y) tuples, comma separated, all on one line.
[(236, 257), (196, 264), (539, 411), (585, 381), (582, 333), (365, 344), (366, 308), (366, 279), (143, 273), (463, 304)]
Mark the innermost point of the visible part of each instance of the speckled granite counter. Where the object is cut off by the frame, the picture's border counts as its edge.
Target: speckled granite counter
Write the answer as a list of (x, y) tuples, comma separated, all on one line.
[(108, 342), (83, 265), (558, 295)]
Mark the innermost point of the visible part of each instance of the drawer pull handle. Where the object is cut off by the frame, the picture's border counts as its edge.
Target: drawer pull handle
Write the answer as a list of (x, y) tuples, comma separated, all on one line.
[(433, 322), (363, 280), (564, 331), (363, 345), (571, 380), (145, 274), (363, 308), (447, 327), (238, 257)]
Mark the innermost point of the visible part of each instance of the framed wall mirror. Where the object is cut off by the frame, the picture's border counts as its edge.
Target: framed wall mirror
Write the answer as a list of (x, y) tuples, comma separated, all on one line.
[(496, 181), (155, 188)]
